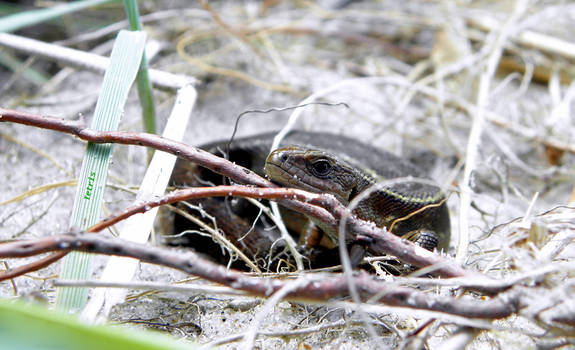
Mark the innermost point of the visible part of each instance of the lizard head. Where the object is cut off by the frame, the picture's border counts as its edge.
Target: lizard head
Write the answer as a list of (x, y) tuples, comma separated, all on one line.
[(312, 170)]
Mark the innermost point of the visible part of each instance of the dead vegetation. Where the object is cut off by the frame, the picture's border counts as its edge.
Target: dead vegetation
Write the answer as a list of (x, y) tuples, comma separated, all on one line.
[(480, 94)]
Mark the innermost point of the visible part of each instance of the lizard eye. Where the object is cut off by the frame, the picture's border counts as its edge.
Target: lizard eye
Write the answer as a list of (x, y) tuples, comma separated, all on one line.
[(321, 167)]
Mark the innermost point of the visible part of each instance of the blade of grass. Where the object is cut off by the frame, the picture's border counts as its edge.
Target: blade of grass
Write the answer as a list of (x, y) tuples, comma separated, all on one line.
[(143, 78), (138, 227), (21, 68), (9, 9), (24, 19), (27, 327), (124, 63)]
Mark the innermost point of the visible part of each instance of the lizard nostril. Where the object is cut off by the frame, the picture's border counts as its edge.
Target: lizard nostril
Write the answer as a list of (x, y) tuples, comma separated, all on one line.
[(284, 157)]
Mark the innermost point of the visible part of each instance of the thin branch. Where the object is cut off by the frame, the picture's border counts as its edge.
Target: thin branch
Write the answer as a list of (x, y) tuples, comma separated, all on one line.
[(472, 149), (150, 286), (539, 41), (85, 60), (181, 150), (216, 234), (312, 288), (381, 240), (31, 267), (323, 207)]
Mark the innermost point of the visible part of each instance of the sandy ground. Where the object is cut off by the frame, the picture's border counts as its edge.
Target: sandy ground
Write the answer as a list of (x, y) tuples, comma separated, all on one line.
[(320, 46)]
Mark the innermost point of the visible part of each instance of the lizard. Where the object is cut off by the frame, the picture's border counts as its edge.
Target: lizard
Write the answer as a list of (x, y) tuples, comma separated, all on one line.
[(326, 163)]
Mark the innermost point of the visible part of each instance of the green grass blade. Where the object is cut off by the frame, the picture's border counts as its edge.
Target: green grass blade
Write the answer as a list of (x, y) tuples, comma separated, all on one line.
[(143, 78), (133, 14), (27, 327), (124, 64), (18, 67), (137, 228), (24, 19), (9, 9), (146, 97)]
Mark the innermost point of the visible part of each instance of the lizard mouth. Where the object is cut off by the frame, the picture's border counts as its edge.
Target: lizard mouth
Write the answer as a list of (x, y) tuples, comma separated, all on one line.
[(281, 169)]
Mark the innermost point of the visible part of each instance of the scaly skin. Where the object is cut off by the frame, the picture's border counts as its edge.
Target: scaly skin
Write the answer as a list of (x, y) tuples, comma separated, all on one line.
[(413, 209), (364, 166)]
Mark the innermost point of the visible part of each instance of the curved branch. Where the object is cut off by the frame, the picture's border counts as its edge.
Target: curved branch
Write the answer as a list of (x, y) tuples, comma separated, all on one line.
[(308, 204), (315, 288)]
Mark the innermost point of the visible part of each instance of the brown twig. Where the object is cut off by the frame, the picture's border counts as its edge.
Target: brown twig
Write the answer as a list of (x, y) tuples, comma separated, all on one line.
[(315, 288), (212, 191), (382, 241), (31, 267), (179, 149), (239, 35)]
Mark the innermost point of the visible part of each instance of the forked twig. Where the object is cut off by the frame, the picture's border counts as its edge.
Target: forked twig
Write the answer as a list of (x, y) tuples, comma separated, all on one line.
[(310, 287), (323, 207)]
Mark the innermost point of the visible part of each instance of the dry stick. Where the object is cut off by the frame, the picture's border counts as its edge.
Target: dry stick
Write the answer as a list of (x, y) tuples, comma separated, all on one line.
[(472, 149), (31, 267), (382, 241), (317, 288), (217, 235), (197, 61), (459, 103), (85, 60), (151, 287), (539, 41), (35, 150), (238, 35), (176, 196), (276, 193)]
